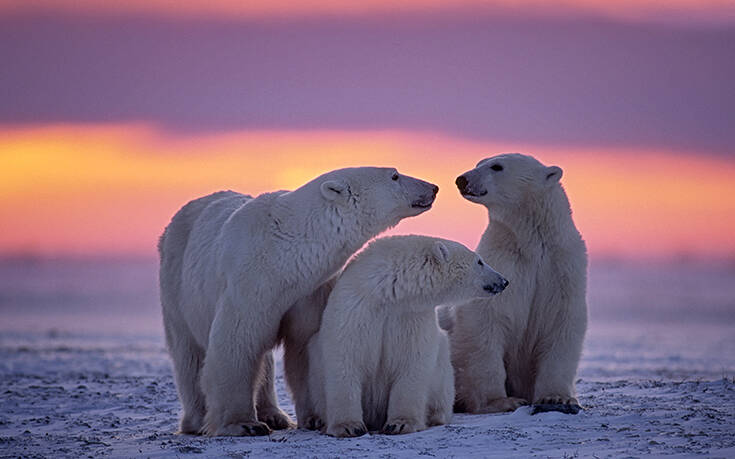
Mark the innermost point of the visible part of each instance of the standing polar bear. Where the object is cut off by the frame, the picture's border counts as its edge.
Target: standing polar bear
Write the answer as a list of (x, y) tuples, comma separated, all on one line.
[(525, 345), (232, 265), (379, 360)]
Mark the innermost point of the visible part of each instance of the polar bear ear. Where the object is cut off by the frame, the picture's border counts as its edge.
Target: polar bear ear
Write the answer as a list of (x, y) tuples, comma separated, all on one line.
[(553, 174), (440, 252), (333, 189)]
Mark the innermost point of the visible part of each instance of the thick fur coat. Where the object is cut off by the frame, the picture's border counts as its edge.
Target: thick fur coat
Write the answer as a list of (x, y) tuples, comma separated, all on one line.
[(380, 361), (523, 346), (233, 265)]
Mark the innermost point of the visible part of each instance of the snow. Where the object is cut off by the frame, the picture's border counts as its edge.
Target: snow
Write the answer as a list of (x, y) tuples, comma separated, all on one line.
[(651, 385), (69, 396)]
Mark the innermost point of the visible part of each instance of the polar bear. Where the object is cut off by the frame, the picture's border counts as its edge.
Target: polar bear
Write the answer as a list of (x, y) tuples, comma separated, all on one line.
[(379, 360), (298, 325), (525, 345), (232, 265)]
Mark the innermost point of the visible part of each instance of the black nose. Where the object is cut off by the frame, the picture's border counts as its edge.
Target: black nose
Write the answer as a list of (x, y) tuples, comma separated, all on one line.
[(435, 189), (461, 182), (496, 288)]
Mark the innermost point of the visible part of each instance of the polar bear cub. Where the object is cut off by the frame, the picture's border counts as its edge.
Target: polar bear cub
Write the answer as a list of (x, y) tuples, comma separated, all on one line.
[(232, 266), (379, 360), (525, 345)]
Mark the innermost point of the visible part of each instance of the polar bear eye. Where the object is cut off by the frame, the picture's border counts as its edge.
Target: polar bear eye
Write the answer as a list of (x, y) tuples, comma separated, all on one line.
[(394, 176), (479, 262), (496, 167)]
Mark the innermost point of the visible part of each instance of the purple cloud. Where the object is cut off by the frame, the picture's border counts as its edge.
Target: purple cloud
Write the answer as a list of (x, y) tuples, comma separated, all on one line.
[(572, 81)]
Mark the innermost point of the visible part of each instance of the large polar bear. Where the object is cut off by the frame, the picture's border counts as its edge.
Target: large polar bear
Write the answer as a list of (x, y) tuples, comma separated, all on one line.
[(525, 345), (232, 265), (379, 360)]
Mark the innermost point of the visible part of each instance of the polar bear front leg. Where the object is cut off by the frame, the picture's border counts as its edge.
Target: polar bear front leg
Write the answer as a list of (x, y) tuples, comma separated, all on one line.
[(314, 403), (441, 397), (343, 398), (479, 374), (554, 386), (237, 346), (300, 323), (267, 401), (344, 405), (296, 369), (407, 404)]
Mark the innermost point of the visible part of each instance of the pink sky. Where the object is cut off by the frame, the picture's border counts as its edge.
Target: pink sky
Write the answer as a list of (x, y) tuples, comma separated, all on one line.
[(110, 189), (114, 114), (681, 11)]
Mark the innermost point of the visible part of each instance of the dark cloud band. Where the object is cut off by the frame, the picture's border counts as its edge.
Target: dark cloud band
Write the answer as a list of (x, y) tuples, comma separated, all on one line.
[(486, 76)]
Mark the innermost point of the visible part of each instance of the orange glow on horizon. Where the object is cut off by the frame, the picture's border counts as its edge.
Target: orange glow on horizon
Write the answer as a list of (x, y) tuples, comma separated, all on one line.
[(622, 9), (110, 189)]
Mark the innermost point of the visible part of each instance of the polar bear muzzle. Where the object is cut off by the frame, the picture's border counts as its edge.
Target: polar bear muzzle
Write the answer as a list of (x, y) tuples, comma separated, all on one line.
[(496, 288), (425, 201), (467, 187)]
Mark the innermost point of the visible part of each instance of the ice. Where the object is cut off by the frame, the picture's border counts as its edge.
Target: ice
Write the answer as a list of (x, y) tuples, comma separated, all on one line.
[(85, 372)]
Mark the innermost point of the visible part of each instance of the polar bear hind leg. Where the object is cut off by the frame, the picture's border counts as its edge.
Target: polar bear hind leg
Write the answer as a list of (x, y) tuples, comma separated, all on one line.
[(188, 358)]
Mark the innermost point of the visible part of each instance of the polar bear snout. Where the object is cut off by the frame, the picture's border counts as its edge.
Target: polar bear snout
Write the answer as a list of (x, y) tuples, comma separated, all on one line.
[(467, 186), (426, 199), (461, 183), (496, 287)]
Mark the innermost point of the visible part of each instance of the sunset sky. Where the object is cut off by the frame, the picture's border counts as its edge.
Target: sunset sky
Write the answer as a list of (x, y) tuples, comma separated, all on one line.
[(114, 114)]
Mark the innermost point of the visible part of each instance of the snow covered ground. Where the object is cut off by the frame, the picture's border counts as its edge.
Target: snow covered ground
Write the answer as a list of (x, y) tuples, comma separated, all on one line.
[(82, 376)]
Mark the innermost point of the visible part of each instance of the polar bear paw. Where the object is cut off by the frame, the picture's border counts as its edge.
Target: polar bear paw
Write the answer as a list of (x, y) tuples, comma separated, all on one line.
[(398, 426), (276, 420), (503, 404), (347, 429), (562, 403), (242, 429), (437, 417), (191, 424), (313, 422)]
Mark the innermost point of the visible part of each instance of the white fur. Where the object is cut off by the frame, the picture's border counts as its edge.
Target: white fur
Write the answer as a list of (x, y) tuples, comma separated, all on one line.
[(524, 345), (379, 360), (300, 323), (232, 266)]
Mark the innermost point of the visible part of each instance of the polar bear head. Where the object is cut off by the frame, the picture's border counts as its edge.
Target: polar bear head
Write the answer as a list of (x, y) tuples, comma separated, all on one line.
[(461, 274), (508, 181), (420, 272), (376, 197)]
